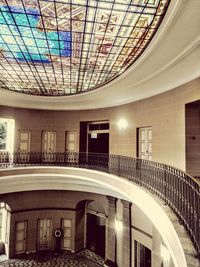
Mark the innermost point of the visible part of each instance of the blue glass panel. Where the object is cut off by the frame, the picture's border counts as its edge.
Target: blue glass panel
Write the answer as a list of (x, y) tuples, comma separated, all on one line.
[(28, 38)]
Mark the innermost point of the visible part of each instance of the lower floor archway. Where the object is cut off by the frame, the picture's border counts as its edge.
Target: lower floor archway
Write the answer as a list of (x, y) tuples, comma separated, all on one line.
[(95, 233)]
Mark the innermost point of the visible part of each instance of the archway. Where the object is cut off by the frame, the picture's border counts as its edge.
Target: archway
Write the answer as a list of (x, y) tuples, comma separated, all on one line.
[(95, 228)]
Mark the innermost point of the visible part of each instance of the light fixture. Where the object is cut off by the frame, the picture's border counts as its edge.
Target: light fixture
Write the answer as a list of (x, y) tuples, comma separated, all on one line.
[(118, 225), (122, 124), (165, 255)]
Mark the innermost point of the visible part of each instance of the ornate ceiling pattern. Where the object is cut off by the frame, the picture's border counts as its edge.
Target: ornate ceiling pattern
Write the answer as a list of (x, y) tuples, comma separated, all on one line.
[(65, 47)]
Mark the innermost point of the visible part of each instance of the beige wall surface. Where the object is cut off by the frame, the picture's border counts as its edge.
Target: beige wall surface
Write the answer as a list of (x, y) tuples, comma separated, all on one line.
[(164, 112)]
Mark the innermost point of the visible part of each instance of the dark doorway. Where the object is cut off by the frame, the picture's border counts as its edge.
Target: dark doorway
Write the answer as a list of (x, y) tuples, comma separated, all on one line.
[(94, 144), (98, 149), (98, 143), (192, 130), (83, 143), (95, 234)]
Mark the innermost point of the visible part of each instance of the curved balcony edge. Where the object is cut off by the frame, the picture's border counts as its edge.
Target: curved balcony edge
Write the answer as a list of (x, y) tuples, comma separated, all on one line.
[(178, 190)]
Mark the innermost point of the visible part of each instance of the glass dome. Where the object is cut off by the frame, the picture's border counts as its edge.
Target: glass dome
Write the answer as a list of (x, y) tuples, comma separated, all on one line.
[(61, 47)]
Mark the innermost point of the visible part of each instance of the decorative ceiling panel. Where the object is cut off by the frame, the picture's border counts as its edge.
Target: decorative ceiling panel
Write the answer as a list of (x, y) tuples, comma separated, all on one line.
[(62, 47)]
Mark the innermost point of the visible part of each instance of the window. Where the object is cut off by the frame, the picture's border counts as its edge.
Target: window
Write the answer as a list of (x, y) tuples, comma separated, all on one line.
[(142, 255), (3, 134), (97, 126), (6, 134)]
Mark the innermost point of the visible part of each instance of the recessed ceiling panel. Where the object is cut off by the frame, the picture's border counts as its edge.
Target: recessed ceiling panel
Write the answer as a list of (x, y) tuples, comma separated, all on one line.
[(61, 47)]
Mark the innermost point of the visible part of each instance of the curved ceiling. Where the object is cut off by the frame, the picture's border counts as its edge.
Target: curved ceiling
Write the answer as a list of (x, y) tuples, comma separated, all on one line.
[(56, 48), (171, 59)]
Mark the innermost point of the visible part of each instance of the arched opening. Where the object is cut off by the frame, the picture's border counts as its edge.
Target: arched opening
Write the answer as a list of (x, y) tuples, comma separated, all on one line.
[(95, 228)]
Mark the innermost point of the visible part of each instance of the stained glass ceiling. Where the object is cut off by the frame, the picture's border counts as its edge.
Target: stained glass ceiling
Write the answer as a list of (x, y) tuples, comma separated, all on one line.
[(65, 47)]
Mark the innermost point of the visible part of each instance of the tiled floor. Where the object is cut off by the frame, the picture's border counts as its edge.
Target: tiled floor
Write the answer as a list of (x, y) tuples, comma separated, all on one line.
[(84, 258)]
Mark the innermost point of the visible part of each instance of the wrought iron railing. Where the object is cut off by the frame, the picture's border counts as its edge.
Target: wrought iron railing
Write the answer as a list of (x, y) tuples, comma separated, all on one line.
[(180, 191)]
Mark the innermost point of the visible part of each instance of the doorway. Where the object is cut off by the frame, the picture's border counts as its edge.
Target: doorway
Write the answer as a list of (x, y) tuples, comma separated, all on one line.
[(94, 137), (48, 146), (24, 146), (98, 143), (192, 130), (95, 234), (144, 143), (94, 143), (98, 137), (44, 234), (67, 234), (71, 147), (20, 237)]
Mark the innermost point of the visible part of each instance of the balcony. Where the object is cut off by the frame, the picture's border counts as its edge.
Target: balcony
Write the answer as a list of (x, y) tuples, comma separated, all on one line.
[(180, 191)]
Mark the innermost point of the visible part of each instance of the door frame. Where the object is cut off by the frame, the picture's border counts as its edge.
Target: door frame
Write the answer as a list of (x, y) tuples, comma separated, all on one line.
[(25, 240), (71, 239), (137, 139), (96, 131), (24, 156), (97, 214), (42, 146), (37, 234), (66, 140)]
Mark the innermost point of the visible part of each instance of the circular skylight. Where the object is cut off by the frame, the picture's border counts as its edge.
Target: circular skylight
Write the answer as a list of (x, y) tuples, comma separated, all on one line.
[(61, 47)]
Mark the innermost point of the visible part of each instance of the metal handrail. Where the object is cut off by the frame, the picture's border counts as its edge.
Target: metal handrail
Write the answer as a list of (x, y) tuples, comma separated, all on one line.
[(179, 190)]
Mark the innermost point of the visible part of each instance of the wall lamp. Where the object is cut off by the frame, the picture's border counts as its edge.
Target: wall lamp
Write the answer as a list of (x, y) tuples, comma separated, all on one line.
[(122, 124), (118, 225), (165, 254)]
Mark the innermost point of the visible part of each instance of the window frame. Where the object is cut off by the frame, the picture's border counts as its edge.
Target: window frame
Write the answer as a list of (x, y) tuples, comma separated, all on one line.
[(9, 146)]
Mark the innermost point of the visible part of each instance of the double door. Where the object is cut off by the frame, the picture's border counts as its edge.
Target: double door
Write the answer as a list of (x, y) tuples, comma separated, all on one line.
[(20, 237), (48, 146), (44, 234), (24, 146), (71, 147), (67, 234)]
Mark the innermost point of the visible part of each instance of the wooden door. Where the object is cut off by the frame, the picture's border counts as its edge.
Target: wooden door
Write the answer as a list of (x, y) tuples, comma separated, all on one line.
[(67, 234), (24, 146), (71, 141), (71, 147), (20, 237), (44, 234), (49, 145), (145, 143)]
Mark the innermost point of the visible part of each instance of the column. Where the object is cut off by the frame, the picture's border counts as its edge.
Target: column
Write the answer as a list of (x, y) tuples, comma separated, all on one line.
[(126, 234), (111, 238), (156, 248)]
